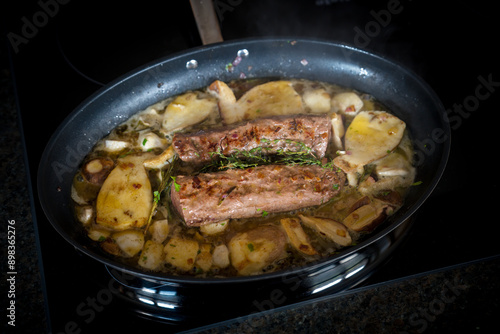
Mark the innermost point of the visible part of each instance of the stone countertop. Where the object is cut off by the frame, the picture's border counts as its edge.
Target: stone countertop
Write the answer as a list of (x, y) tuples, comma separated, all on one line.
[(15, 208), (458, 299)]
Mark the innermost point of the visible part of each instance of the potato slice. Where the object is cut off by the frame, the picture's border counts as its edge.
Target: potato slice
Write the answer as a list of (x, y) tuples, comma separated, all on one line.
[(347, 103), (330, 228), (186, 110), (214, 228), (151, 256), (130, 242), (298, 238), (268, 99), (370, 136), (317, 100), (204, 258), (181, 253), (159, 230), (254, 250), (125, 199)]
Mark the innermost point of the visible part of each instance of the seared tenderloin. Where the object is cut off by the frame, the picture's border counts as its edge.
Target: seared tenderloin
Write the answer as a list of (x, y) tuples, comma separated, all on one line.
[(252, 192), (285, 133)]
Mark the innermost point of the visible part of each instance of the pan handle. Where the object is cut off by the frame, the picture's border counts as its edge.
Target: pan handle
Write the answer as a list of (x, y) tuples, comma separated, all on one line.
[(206, 21)]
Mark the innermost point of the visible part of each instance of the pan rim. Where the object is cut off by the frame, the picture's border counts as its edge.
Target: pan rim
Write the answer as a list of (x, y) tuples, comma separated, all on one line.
[(239, 43)]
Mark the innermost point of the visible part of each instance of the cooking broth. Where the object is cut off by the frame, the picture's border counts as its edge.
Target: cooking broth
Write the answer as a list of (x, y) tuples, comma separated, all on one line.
[(123, 190)]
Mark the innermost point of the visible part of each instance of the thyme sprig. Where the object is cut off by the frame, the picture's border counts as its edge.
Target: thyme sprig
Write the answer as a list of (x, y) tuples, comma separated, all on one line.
[(303, 155), (165, 183)]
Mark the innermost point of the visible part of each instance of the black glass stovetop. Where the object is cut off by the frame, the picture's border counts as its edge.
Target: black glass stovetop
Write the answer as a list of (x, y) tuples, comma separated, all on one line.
[(64, 51)]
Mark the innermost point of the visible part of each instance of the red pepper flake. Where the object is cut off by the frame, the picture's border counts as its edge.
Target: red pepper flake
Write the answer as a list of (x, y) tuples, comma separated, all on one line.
[(237, 60), (350, 108), (125, 166), (137, 185)]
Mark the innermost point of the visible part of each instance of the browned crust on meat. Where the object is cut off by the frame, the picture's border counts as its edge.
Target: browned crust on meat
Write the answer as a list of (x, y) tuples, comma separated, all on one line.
[(273, 133), (253, 192)]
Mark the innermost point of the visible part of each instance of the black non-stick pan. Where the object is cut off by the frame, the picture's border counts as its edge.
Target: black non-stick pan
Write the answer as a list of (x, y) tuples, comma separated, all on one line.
[(400, 90)]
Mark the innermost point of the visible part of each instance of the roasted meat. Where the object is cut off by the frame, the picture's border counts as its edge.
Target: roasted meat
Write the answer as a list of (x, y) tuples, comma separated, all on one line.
[(287, 133), (252, 192)]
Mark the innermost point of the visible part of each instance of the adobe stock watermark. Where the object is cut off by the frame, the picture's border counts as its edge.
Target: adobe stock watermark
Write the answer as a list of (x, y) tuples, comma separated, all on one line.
[(74, 153), (88, 309), (420, 320), (30, 26), (455, 116), (223, 6), (372, 29)]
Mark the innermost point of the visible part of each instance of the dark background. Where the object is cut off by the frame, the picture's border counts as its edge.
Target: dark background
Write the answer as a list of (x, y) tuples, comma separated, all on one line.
[(59, 53)]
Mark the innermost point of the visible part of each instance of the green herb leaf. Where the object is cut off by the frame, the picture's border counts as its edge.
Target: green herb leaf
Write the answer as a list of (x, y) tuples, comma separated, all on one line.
[(297, 154), (156, 196), (176, 185), (250, 247)]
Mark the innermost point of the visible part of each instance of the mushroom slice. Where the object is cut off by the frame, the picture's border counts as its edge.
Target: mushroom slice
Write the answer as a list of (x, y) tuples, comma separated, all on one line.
[(181, 253), (296, 235), (130, 242), (151, 256), (115, 145), (148, 140), (98, 234), (186, 110), (220, 256), (395, 164), (125, 199), (347, 103), (110, 246), (84, 214), (96, 170), (254, 250), (338, 130), (161, 160), (330, 228), (317, 100), (370, 136), (226, 101), (367, 217), (75, 196), (268, 99)]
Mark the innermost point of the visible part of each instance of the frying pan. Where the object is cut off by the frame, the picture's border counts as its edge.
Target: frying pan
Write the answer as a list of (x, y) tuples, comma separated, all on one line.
[(404, 93)]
